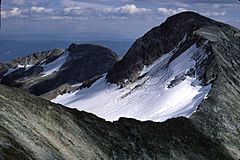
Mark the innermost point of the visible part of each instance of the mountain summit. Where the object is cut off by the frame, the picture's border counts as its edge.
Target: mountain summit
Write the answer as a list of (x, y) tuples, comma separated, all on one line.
[(163, 39)]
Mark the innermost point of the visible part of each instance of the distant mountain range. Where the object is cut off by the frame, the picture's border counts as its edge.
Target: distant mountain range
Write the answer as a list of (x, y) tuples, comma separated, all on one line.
[(14, 46), (24, 48)]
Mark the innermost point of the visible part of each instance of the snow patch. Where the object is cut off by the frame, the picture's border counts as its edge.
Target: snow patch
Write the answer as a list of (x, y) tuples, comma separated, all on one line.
[(77, 85), (55, 65), (163, 58), (147, 98), (11, 70)]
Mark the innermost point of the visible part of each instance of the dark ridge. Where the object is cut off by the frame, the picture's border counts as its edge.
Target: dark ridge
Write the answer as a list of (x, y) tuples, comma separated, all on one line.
[(57, 129)]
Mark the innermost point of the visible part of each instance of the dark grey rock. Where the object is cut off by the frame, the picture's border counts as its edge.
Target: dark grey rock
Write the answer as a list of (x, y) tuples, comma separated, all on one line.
[(158, 41), (34, 128)]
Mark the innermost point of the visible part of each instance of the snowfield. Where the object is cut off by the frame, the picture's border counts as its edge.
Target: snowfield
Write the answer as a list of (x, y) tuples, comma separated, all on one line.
[(55, 65), (150, 98)]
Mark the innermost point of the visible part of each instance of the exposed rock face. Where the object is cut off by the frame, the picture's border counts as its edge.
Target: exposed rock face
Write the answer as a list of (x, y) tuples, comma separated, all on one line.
[(34, 128), (158, 41), (45, 72), (218, 116)]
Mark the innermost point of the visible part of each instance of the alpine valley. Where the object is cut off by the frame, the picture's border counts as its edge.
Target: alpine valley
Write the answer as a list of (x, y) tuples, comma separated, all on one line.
[(174, 95)]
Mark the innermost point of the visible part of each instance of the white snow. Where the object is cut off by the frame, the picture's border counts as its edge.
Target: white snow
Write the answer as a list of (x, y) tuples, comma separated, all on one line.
[(147, 98), (26, 67), (55, 65), (77, 85)]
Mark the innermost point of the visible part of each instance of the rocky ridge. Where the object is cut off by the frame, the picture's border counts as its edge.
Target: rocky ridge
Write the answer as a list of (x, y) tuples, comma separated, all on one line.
[(34, 128), (50, 73)]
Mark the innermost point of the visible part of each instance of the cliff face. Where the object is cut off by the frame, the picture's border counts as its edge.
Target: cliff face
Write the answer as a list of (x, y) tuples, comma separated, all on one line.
[(34, 128), (55, 71)]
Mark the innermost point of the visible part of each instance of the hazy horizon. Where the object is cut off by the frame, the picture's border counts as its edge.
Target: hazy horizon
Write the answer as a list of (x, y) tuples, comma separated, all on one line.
[(128, 19)]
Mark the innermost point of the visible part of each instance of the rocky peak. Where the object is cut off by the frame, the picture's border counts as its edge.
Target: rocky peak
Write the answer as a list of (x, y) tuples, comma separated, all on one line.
[(44, 72), (161, 40), (37, 58)]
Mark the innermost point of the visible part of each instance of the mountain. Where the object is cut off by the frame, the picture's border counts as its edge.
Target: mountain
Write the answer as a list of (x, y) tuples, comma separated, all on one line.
[(181, 78), (58, 70), (166, 38), (188, 66), (34, 128)]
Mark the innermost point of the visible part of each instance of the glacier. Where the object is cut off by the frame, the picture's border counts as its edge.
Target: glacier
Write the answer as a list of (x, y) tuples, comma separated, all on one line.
[(149, 98)]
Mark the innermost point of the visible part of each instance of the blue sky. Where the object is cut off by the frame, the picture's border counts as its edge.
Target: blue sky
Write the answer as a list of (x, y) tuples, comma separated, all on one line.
[(125, 18)]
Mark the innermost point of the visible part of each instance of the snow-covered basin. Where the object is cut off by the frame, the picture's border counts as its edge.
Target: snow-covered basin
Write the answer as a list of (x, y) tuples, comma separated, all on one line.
[(147, 99)]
